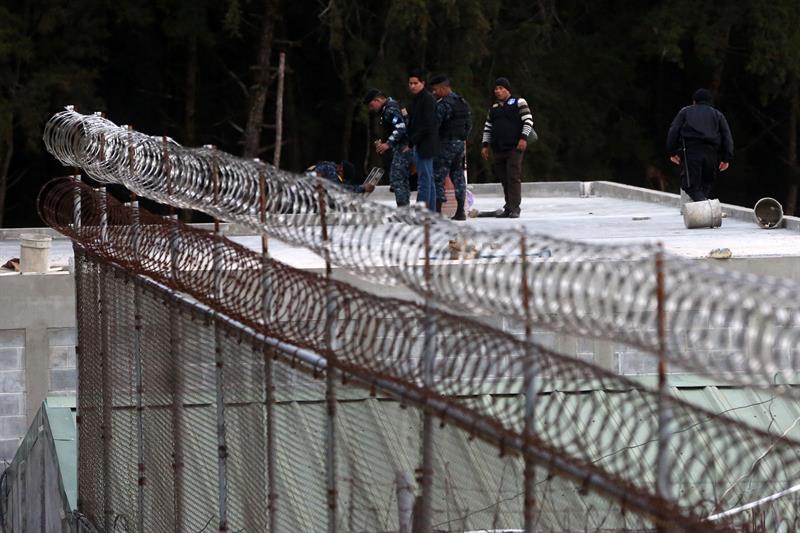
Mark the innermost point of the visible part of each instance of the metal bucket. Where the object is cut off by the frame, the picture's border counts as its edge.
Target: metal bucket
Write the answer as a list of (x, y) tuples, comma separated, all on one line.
[(705, 214), (768, 213), (34, 252)]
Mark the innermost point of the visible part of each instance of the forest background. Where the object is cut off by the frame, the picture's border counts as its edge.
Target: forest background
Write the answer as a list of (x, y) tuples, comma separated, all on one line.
[(604, 78)]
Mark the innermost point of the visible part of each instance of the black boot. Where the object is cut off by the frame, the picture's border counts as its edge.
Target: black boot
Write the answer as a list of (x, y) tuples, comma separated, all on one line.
[(459, 211)]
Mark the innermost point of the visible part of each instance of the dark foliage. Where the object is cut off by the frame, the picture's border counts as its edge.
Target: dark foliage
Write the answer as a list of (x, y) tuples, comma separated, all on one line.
[(604, 79)]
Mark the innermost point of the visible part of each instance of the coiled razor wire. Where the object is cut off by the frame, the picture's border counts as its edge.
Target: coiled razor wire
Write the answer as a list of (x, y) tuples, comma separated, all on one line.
[(610, 441), (739, 327)]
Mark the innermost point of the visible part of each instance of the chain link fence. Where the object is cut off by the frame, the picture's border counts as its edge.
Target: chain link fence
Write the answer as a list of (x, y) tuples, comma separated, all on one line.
[(220, 389)]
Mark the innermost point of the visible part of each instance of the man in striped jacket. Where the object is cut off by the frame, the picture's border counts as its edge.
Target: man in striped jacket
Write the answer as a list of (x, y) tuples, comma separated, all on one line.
[(505, 135)]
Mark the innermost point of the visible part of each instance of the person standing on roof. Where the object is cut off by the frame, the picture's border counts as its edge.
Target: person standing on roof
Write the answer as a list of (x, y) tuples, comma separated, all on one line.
[(393, 141), (423, 137), (505, 135), (701, 139), (455, 122)]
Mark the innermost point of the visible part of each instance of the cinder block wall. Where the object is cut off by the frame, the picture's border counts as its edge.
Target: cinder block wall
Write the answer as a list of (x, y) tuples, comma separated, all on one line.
[(37, 349)]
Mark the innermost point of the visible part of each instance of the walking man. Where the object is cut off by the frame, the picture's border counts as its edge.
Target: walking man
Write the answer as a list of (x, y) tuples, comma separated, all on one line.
[(700, 138), (505, 135), (455, 123), (393, 141), (423, 137)]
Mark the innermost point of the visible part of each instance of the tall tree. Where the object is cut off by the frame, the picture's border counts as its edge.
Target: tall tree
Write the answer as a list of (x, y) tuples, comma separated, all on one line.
[(775, 59), (259, 90), (49, 54), (356, 40)]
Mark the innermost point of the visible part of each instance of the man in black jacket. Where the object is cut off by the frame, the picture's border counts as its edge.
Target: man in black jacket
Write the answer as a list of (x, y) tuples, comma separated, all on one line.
[(508, 124), (701, 138), (423, 137)]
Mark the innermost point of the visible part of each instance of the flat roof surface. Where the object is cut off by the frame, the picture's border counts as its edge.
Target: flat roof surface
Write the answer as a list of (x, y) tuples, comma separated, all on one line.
[(594, 212)]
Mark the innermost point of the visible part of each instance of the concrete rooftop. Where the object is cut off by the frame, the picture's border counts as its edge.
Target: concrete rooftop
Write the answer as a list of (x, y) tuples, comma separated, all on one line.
[(595, 212)]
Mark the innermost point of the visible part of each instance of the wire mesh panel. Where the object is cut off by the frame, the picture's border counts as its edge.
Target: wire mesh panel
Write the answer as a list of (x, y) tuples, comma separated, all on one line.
[(203, 355), (90, 357)]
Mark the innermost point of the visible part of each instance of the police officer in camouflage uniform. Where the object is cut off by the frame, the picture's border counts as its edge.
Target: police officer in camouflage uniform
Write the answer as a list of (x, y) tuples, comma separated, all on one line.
[(394, 140), (455, 122)]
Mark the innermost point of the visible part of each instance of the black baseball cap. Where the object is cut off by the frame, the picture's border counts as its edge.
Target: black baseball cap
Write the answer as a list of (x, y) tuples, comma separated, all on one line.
[(372, 94)]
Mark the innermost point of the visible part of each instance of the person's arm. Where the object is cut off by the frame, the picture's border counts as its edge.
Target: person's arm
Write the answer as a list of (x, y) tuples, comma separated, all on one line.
[(486, 140), (674, 135), (727, 143), (398, 128), (468, 125), (527, 123), (443, 111), (398, 135)]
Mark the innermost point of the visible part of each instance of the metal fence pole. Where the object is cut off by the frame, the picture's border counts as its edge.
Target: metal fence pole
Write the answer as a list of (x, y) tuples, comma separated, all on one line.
[(102, 195), (663, 460), (330, 372), (222, 450), (105, 362), (269, 385), (532, 379), (177, 384), (137, 360), (76, 203), (422, 511)]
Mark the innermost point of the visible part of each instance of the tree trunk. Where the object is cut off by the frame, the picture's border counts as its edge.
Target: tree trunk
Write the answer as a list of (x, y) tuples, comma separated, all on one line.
[(276, 156), (791, 152), (190, 107), (347, 130), (6, 152), (260, 88)]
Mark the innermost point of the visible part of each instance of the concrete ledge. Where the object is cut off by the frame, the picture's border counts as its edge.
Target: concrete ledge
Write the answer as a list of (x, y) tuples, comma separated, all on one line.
[(608, 189), (545, 189), (13, 234)]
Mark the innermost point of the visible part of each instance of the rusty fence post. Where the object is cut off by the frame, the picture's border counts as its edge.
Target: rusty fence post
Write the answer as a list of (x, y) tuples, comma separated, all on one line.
[(138, 372), (175, 351), (267, 351), (663, 460), (330, 370), (422, 511), (107, 385), (532, 383), (217, 267)]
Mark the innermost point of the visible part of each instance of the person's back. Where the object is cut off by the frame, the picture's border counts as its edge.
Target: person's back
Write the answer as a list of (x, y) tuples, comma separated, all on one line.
[(701, 139)]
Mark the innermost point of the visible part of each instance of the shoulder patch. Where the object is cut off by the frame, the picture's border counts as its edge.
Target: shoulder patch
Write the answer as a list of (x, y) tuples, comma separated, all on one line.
[(511, 101)]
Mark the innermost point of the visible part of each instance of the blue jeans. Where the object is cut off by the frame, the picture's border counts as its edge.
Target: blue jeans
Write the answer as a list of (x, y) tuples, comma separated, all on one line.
[(426, 187)]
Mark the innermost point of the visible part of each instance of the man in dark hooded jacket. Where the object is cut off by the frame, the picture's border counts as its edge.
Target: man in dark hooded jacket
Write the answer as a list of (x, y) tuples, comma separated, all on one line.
[(423, 136), (701, 139)]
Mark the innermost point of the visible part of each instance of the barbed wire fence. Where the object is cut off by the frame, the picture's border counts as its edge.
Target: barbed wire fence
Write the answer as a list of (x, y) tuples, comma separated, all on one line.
[(147, 376), (737, 327)]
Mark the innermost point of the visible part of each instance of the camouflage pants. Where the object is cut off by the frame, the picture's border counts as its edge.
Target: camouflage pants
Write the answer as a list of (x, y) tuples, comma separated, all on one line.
[(450, 161), (398, 175)]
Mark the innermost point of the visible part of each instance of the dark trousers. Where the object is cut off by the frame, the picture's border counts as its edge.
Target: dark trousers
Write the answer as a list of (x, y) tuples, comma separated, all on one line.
[(508, 171), (698, 171)]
